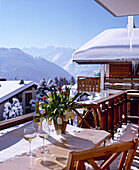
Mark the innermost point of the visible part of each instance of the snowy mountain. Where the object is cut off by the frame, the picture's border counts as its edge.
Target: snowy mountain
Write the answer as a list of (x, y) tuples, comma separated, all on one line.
[(58, 55), (15, 63), (63, 57)]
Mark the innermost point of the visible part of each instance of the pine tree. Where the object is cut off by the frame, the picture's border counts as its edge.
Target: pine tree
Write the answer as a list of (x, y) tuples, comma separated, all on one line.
[(72, 81), (65, 81), (56, 81), (42, 90)]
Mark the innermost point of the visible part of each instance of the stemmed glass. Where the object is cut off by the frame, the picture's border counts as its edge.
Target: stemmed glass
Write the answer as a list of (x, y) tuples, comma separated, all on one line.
[(43, 133), (29, 135)]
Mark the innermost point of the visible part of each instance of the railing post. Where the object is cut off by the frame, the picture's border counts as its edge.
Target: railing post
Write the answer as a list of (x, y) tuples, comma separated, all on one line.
[(126, 108), (78, 84), (112, 119)]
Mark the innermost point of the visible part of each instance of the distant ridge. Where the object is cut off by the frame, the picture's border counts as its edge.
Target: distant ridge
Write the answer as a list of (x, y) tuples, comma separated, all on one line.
[(16, 63), (62, 56)]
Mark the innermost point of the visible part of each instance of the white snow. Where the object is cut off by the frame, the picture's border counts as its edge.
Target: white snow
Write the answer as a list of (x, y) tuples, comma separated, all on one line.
[(110, 45), (56, 56), (10, 86), (12, 110)]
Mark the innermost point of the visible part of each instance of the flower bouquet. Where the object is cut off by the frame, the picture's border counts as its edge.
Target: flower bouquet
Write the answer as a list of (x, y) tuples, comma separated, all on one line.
[(60, 107)]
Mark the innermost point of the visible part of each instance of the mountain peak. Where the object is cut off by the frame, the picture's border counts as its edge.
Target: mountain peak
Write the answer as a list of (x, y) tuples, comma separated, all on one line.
[(16, 63)]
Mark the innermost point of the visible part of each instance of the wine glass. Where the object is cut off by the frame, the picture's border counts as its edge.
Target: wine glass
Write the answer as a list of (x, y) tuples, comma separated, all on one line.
[(44, 132), (29, 135)]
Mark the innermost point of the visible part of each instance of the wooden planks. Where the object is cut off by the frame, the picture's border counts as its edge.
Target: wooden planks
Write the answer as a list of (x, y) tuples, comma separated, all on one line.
[(88, 84), (15, 121)]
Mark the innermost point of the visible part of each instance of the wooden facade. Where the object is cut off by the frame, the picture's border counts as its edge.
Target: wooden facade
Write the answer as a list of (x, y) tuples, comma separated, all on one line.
[(123, 70), (119, 76)]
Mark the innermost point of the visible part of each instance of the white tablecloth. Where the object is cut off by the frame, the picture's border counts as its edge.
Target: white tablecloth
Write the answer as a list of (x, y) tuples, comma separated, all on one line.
[(13, 144)]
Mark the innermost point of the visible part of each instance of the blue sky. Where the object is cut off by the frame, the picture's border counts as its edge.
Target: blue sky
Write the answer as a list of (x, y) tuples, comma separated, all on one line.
[(63, 23)]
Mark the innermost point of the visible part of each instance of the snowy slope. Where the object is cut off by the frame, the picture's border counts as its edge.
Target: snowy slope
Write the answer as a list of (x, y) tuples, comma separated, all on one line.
[(63, 57), (58, 55), (15, 63)]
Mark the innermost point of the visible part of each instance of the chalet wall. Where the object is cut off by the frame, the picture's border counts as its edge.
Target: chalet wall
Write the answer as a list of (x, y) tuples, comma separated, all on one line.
[(120, 70), (123, 70)]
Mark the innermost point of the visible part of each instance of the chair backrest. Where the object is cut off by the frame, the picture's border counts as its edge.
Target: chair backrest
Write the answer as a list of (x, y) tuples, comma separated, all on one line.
[(108, 154)]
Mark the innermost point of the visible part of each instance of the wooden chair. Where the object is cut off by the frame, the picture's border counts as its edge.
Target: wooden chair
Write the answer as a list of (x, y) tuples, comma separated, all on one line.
[(108, 154), (90, 108)]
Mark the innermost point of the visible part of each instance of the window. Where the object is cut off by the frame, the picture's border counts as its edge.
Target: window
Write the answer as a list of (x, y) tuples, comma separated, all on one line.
[(28, 97)]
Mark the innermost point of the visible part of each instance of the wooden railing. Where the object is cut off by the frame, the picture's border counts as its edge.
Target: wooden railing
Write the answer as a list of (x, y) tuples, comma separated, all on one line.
[(106, 114), (109, 113), (113, 111), (133, 106), (92, 84), (15, 121), (125, 83), (89, 84)]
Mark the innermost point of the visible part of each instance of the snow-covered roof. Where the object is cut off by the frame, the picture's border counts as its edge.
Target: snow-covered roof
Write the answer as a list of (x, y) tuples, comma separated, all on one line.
[(11, 88), (112, 45)]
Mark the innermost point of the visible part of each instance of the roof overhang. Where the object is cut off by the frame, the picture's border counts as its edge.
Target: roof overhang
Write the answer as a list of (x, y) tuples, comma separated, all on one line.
[(101, 62), (110, 46), (120, 7)]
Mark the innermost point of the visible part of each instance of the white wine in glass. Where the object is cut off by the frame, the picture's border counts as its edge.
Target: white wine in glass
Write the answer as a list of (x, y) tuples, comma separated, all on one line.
[(29, 135), (44, 133)]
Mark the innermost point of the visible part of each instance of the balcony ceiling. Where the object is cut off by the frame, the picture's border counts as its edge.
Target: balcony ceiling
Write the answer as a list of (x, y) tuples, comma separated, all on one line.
[(120, 7)]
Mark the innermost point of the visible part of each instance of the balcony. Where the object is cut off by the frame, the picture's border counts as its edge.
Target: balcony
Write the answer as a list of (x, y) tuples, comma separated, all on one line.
[(121, 83), (88, 84), (92, 84)]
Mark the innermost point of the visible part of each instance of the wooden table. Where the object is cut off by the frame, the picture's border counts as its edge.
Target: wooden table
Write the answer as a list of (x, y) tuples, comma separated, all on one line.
[(59, 148)]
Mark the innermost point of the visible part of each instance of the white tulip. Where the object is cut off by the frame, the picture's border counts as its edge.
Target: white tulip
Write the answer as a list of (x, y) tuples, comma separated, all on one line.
[(70, 99), (49, 122), (40, 107), (59, 121), (49, 94), (43, 111), (49, 99)]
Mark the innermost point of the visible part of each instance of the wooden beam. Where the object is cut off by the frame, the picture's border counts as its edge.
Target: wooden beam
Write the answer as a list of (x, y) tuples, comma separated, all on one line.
[(15, 121)]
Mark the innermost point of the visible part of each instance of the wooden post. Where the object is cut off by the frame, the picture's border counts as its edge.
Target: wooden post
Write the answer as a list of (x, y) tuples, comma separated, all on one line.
[(120, 110), (95, 117), (109, 115), (102, 76), (125, 108), (107, 70), (112, 119), (78, 84)]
